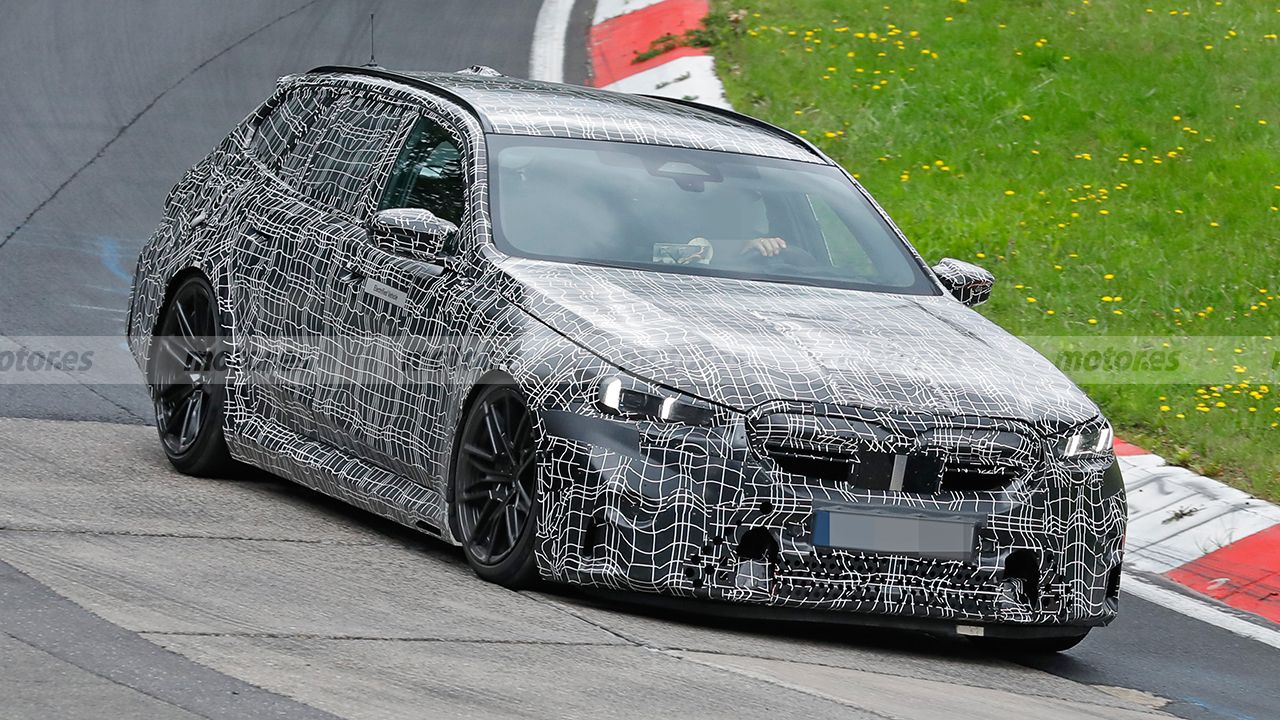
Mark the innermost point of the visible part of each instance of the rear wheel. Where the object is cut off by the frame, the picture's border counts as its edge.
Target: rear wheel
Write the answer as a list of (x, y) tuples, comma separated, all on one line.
[(187, 383), (495, 500)]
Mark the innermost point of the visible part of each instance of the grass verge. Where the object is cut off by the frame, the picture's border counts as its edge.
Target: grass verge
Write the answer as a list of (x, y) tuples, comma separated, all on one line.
[(1115, 164)]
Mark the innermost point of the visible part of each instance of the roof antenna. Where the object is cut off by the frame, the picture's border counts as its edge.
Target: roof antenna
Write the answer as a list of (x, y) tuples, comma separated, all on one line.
[(372, 62)]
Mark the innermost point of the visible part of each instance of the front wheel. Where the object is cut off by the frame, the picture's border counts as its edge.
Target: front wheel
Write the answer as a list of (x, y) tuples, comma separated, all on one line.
[(495, 499), (186, 380)]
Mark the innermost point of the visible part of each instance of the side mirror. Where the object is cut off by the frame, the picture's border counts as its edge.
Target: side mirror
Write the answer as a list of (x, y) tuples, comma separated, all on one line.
[(411, 232), (967, 282)]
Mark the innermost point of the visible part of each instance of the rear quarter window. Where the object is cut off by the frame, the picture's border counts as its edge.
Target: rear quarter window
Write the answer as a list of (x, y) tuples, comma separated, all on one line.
[(277, 143)]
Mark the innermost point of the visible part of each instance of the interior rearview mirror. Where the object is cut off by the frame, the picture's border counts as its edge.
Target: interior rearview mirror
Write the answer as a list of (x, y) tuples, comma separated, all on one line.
[(411, 232), (967, 282)]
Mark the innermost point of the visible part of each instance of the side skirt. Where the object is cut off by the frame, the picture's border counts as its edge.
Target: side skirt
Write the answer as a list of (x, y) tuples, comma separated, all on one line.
[(339, 474)]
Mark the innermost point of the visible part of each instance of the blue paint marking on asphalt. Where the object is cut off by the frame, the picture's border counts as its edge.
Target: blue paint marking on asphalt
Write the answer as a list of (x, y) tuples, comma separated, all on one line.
[(1218, 710), (109, 254), (110, 251)]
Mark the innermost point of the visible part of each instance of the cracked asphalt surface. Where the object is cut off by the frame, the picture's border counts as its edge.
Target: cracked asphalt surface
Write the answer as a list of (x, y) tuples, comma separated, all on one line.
[(128, 591)]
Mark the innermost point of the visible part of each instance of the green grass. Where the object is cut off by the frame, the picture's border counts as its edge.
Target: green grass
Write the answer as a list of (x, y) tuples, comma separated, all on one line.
[(1079, 150)]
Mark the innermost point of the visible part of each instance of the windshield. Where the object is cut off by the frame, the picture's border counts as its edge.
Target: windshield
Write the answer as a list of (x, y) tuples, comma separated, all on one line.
[(667, 209)]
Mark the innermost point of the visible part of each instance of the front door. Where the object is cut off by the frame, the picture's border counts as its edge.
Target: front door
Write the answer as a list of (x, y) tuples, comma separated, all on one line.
[(391, 315)]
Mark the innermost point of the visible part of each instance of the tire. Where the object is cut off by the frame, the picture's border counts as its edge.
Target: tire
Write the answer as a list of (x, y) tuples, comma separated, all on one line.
[(1032, 646), (494, 488), (185, 377)]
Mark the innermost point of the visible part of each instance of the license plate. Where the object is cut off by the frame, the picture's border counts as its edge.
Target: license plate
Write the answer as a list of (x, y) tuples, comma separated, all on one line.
[(892, 530)]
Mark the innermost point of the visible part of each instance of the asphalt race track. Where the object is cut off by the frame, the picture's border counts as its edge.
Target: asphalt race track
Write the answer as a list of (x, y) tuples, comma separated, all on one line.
[(128, 591)]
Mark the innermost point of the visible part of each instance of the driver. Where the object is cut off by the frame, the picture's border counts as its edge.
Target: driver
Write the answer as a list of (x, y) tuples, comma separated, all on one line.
[(731, 251)]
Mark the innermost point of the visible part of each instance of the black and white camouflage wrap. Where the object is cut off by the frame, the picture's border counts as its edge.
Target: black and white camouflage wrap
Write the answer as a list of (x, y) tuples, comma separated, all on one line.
[(359, 396)]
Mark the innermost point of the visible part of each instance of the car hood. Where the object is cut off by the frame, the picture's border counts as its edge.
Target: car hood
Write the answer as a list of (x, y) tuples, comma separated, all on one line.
[(742, 343)]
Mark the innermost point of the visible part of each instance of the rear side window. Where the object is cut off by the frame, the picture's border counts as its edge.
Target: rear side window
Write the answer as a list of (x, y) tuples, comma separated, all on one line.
[(428, 174), (277, 140), (353, 144)]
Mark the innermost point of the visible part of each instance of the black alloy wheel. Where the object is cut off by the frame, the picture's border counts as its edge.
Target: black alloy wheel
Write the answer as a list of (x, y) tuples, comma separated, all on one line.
[(187, 374), (495, 500)]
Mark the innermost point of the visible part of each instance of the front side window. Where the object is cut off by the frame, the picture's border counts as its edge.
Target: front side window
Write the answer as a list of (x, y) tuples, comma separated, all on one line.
[(428, 174), (353, 143), (667, 209)]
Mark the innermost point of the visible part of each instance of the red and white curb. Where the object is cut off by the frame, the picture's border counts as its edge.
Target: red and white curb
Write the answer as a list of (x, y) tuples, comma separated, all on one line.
[(1197, 532), (623, 29), (1201, 534)]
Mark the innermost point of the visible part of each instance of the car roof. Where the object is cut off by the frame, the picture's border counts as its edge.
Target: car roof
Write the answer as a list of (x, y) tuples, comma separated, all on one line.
[(514, 106)]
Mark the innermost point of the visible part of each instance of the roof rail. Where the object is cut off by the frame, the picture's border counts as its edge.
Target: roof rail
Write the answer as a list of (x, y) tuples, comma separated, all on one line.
[(746, 119), (419, 83)]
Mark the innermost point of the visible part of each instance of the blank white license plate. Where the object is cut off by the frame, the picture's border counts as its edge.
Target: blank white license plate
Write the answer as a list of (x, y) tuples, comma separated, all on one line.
[(891, 530)]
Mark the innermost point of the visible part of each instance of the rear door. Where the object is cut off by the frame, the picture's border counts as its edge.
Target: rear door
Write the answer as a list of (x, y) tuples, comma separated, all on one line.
[(279, 263)]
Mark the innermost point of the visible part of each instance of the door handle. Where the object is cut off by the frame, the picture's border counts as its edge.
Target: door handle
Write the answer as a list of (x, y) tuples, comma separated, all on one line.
[(350, 275)]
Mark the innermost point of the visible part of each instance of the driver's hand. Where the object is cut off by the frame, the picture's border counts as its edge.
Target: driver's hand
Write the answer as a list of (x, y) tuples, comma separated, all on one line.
[(767, 247)]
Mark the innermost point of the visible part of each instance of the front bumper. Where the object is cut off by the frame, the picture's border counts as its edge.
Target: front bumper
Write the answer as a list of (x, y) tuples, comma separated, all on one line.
[(697, 513)]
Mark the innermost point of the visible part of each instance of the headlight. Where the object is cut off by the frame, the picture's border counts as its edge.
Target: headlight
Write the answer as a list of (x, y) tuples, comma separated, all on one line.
[(1095, 438), (616, 398)]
